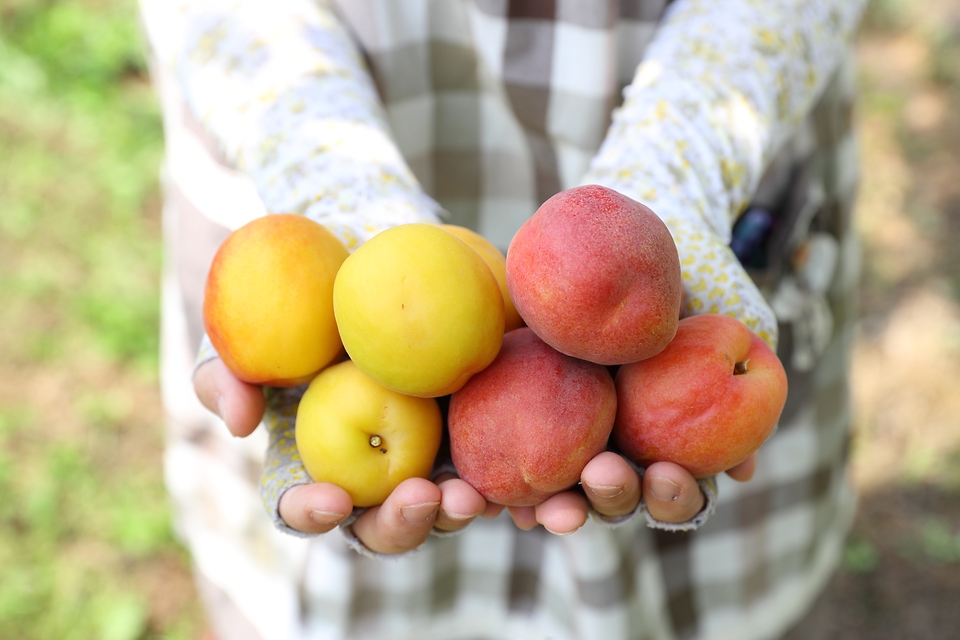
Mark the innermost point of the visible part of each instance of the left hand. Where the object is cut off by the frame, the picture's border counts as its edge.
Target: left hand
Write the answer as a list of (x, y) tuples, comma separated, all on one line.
[(614, 489)]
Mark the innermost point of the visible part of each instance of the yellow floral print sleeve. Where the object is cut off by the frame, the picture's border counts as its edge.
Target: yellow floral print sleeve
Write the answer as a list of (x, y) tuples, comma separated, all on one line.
[(283, 90), (720, 88)]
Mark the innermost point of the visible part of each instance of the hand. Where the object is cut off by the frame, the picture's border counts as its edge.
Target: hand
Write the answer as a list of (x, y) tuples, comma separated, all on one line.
[(400, 524), (405, 519), (613, 488)]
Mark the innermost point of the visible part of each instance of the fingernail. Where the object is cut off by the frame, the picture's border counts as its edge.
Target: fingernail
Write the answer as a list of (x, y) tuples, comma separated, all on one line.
[(419, 513), (326, 517), (557, 533), (665, 490), (605, 491), (459, 517)]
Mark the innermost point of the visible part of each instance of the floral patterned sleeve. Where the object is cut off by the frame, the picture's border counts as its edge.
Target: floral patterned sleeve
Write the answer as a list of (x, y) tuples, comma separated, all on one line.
[(720, 88), (283, 90)]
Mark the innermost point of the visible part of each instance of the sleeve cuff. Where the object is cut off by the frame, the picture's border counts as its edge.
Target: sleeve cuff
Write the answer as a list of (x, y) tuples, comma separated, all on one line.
[(205, 354), (709, 488)]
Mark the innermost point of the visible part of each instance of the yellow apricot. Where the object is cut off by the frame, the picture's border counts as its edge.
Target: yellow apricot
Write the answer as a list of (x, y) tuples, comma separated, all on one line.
[(498, 265), (359, 435), (268, 305), (419, 311)]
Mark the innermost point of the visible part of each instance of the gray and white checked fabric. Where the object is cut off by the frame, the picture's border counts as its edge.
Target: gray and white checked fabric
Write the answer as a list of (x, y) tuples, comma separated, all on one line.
[(491, 141)]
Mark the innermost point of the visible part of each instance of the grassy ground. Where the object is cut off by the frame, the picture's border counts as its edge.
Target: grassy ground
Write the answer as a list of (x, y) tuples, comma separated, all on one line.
[(902, 573), (85, 543)]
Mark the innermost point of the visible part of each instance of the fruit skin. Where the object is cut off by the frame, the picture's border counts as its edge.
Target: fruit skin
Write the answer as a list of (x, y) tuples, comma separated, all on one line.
[(597, 276), (523, 429), (498, 265), (268, 304), (342, 409), (418, 310), (687, 405)]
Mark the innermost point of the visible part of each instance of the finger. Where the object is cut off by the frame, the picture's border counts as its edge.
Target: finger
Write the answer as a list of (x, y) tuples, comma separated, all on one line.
[(239, 404), (315, 508), (524, 517), (562, 513), (459, 504), (404, 519), (671, 493), (492, 510), (745, 470), (611, 485)]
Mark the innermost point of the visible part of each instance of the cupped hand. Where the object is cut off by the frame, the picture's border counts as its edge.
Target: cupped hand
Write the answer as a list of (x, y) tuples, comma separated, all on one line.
[(400, 524), (614, 489)]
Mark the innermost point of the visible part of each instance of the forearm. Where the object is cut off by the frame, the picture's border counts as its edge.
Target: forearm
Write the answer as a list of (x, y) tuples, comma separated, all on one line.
[(720, 88), (283, 91)]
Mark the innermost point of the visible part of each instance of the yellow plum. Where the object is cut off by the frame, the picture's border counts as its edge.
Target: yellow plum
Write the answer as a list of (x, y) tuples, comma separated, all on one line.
[(498, 265), (268, 305), (357, 434), (418, 310)]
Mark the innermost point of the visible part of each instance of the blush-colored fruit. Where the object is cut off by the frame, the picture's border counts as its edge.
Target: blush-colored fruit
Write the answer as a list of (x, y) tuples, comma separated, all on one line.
[(523, 429), (596, 275), (706, 402), (358, 434), (418, 310), (268, 305), (498, 265)]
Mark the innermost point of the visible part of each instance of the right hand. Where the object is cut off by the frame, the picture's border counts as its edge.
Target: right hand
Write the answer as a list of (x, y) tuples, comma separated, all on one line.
[(400, 524)]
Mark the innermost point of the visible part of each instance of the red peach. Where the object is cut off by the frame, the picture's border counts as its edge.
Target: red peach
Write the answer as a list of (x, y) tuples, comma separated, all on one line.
[(524, 428), (706, 402), (596, 275)]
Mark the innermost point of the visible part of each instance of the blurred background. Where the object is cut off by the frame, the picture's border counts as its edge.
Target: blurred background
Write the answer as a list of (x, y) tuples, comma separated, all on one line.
[(86, 549)]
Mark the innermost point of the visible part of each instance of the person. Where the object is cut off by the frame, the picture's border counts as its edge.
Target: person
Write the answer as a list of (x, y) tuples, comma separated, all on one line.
[(734, 126)]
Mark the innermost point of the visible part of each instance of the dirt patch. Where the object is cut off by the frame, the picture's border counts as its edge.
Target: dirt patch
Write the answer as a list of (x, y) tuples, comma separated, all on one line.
[(901, 575)]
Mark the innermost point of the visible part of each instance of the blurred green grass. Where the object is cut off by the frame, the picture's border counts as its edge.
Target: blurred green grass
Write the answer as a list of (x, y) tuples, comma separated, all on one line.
[(86, 549), (82, 141)]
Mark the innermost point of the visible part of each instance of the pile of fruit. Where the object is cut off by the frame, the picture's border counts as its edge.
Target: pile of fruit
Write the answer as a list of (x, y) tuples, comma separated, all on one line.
[(571, 342)]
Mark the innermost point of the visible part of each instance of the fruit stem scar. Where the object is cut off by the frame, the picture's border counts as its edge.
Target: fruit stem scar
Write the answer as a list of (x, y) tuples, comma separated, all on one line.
[(375, 441), (741, 367)]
